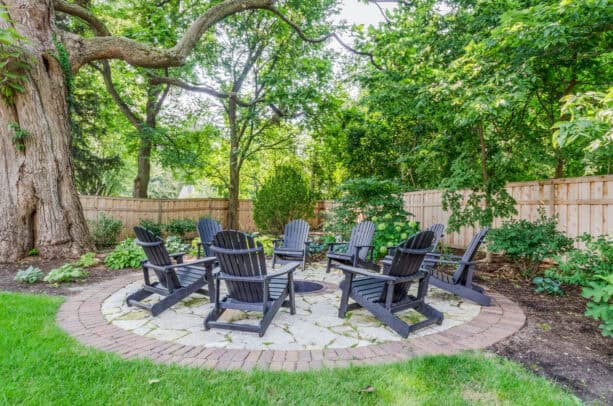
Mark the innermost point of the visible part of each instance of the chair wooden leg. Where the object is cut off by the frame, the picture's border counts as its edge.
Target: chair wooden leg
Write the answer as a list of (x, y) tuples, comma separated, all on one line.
[(292, 298), (342, 310), (329, 266)]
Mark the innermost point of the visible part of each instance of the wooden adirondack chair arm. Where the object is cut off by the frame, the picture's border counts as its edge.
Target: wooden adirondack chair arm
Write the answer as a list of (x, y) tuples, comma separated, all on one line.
[(435, 256), (460, 262), (331, 245), (235, 278), (371, 250), (365, 272), (287, 268), (166, 268), (410, 278)]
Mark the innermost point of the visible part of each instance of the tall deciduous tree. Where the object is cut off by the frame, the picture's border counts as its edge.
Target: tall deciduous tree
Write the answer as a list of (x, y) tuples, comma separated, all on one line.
[(263, 76), (40, 206)]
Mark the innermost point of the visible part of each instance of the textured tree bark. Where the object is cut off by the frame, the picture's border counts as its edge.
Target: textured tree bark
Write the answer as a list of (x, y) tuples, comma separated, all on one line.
[(39, 206), (143, 174)]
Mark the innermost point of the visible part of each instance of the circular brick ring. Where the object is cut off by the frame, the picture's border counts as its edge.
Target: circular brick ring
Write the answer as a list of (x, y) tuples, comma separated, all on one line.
[(82, 318)]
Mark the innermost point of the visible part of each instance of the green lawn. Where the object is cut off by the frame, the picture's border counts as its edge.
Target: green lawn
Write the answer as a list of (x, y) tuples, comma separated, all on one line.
[(40, 364)]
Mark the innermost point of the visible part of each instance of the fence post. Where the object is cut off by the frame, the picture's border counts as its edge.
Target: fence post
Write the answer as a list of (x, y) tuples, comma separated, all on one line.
[(159, 213)]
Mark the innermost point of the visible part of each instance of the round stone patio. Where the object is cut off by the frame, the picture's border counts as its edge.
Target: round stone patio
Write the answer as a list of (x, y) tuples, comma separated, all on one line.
[(313, 338)]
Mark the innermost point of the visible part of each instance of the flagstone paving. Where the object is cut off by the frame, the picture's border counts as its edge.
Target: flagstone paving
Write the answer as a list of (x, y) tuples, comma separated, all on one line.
[(314, 337)]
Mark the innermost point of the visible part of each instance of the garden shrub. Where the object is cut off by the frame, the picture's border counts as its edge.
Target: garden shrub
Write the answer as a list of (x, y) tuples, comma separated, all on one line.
[(528, 243), (283, 197), (181, 227), (592, 268), (175, 245), (371, 199), (579, 266), (104, 230), (320, 243), (391, 231), (29, 275), (125, 255), (65, 273), (600, 306), (86, 260), (152, 226), (548, 285)]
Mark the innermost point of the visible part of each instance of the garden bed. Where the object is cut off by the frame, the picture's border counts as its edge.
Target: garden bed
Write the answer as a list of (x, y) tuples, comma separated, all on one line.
[(558, 341)]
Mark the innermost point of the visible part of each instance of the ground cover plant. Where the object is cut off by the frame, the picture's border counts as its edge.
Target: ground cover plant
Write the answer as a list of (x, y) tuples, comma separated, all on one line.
[(65, 273), (125, 255), (39, 363), (29, 275)]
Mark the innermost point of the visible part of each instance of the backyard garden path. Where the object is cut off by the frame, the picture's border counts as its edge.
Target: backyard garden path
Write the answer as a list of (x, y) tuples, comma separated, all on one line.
[(315, 337)]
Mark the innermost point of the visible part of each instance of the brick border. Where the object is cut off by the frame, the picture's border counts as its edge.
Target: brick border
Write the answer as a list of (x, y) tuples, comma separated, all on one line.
[(80, 316)]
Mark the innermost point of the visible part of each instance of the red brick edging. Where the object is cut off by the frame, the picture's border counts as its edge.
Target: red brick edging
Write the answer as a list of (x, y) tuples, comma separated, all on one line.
[(81, 317)]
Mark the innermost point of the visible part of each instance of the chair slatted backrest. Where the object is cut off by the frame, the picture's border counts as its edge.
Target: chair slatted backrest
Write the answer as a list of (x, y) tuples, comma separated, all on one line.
[(296, 234), (469, 254), (407, 261), (361, 235), (437, 229), (207, 228), (156, 253), (239, 255)]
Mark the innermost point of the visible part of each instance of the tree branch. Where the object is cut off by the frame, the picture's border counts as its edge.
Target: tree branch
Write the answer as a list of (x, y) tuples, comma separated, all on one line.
[(105, 70), (323, 38), (79, 10), (84, 50), (156, 80)]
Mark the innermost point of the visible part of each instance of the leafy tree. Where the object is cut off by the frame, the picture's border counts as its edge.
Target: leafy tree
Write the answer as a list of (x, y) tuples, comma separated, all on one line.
[(285, 196), (39, 177), (262, 75)]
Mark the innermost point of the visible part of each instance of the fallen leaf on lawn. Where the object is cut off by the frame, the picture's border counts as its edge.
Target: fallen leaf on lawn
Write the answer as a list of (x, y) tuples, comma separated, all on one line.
[(368, 389), (153, 381)]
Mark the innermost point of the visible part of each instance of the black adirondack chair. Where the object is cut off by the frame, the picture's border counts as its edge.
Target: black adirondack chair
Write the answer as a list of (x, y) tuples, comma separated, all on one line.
[(176, 281), (437, 229), (387, 293), (250, 287), (358, 251), (207, 228), (461, 281), (294, 245)]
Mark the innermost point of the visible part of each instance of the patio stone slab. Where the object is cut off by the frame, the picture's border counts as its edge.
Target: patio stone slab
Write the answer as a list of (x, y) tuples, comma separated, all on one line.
[(312, 338)]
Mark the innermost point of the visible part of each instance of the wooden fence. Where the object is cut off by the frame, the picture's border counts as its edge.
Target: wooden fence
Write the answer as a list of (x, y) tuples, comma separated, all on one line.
[(584, 205), (131, 210)]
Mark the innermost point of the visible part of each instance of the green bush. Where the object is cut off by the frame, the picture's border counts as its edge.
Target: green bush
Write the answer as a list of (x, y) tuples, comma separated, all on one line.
[(600, 306), (125, 255), (29, 275), (579, 266), (86, 260), (267, 243), (181, 227), (390, 231), (368, 198), (175, 245), (104, 230), (155, 228), (529, 243), (65, 273), (320, 243), (283, 197), (548, 285)]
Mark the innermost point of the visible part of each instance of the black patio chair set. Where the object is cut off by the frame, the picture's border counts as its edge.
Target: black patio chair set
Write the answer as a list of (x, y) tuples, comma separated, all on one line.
[(234, 258)]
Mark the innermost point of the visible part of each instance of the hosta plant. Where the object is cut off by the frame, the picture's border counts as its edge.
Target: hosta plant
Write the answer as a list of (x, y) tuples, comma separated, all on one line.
[(175, 245), (126, 255), (86, 260), (65, 273), (548, 285), (29, 275)]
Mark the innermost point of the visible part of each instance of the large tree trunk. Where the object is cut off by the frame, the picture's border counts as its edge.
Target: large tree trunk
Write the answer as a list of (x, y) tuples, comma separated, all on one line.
[(39, 206), (141, 182), (233, 198)]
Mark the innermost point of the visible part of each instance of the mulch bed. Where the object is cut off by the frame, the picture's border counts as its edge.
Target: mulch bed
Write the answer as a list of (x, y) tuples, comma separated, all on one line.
[(96, 274), (558, 341)]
